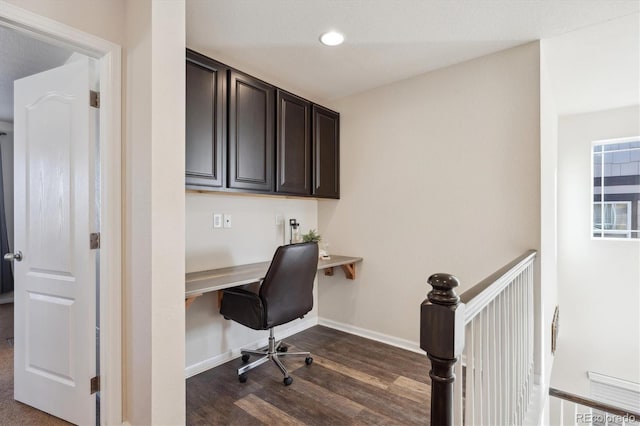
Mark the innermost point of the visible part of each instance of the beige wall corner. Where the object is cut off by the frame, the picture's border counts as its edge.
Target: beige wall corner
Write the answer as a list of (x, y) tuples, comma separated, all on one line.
[(440, 173), (154, 216)]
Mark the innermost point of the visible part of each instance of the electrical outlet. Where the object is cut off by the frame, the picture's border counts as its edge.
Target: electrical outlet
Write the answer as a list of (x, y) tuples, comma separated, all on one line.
[(217, 220), (279, 219), (227, 221)]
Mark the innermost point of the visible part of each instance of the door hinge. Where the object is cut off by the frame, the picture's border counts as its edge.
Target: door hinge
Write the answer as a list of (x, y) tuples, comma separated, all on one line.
[(94, 99), (95, 384), (94, 240)]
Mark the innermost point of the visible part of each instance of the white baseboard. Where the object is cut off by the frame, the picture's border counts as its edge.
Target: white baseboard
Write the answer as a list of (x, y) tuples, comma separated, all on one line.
[(373, 335), (217, 360)]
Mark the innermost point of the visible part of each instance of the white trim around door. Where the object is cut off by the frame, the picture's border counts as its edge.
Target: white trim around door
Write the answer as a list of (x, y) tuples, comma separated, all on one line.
[(109, 56)]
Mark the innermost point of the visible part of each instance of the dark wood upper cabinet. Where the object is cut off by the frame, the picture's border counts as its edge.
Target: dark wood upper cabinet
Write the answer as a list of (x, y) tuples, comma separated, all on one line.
[(245, 135), (326, 152), (206, 134), (251, 133), (293, 145)]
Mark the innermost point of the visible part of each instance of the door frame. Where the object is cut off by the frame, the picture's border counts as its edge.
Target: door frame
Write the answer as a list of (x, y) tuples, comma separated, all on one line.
[(109, 58)]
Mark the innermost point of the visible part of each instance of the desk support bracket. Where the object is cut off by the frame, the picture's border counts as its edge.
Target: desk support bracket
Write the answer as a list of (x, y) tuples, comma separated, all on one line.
[(189, 300), (348, 268)]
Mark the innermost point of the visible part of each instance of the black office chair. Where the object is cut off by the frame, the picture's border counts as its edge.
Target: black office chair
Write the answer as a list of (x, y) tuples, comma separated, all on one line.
[(285, 294)]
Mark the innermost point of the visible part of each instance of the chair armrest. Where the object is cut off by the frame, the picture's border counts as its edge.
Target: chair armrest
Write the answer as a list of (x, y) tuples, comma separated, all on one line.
[(243, 304)]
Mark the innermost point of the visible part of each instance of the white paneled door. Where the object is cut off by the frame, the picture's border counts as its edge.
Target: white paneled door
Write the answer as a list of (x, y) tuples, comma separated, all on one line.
[(55, 282)]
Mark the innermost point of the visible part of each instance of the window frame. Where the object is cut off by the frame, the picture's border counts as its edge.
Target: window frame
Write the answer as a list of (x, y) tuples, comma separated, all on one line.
[(627, 231), (592, 228)]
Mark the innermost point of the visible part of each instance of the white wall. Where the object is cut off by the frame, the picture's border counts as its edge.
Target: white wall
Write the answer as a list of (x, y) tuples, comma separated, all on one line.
[(599, 280), (547, 298), (597, 67), (440, 173), (254, 236)]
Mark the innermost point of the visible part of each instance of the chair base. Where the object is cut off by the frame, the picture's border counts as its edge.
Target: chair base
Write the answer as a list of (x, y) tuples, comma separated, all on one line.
[(272, 351)]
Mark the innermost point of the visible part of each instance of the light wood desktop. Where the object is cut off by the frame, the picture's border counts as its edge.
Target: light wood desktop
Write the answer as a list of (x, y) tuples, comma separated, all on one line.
[(198, 283)]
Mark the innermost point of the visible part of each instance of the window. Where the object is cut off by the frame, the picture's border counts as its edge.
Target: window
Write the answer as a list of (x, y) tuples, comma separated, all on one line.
[(616, 188)]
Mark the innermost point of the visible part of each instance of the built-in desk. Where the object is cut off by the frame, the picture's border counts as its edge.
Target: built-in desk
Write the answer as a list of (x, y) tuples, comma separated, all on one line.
[(198, 283)]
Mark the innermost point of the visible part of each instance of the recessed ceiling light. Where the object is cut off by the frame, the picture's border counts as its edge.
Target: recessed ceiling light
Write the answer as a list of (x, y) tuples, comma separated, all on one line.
[(331, 38)]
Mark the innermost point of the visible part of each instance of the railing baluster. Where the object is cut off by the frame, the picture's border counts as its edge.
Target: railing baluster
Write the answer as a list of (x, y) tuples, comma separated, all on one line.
[(458, 409), (516, 297), (511, 357), (521, 337), (521, 349), (501, 375), (518, 328), (514, 354), (530, 326), (470, 417), (495, 367), (486, 366), (477, 349), (507, 370)]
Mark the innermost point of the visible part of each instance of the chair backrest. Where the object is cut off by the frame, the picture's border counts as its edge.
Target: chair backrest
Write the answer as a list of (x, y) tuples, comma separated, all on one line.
[(287, 289)]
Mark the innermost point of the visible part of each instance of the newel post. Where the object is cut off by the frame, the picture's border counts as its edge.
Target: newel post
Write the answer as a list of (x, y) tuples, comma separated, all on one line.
[(442, 337)]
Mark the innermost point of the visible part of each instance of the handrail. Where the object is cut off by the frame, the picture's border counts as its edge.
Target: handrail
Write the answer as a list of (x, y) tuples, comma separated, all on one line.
[(587, 402), (481, 294)]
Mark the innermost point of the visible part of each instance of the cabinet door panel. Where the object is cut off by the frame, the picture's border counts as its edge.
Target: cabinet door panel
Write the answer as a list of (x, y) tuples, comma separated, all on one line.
[(251, 135), (205, 121), (326, 152), (293, 145)]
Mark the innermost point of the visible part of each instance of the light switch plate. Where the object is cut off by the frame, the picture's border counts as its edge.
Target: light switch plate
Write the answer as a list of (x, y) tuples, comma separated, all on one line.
[(217, 220), (279, 219), (227, 221)]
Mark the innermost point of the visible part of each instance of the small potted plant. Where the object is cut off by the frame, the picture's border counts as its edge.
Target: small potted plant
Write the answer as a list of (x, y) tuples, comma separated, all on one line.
[(311, 236)]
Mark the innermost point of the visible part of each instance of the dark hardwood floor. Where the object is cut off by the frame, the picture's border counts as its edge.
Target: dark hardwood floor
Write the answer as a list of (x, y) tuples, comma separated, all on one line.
[(352, 381)]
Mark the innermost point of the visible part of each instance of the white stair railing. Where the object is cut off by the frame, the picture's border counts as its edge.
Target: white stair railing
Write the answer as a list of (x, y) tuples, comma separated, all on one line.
[(481, 346)]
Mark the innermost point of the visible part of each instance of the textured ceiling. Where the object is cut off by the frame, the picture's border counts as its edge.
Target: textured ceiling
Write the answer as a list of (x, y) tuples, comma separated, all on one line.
[(386, 40), (21, 56)]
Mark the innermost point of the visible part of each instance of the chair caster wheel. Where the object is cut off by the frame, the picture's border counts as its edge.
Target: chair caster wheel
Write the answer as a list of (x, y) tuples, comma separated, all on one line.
[(242, 378), (287, 381), (283, 348), (308, 360), (245, 358)]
